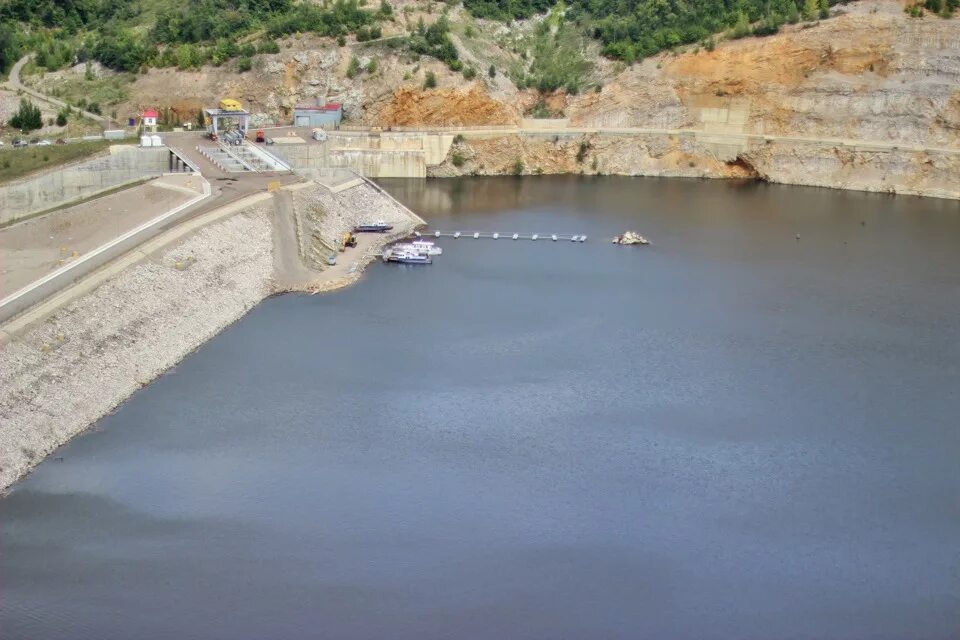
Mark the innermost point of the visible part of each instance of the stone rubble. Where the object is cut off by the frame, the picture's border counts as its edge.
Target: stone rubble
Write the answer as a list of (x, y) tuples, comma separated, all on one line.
[(89, 356)]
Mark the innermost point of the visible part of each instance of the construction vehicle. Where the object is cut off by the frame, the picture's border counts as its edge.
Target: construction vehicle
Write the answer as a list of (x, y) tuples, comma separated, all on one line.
[(229, 104), (349, 240), (261, 136)]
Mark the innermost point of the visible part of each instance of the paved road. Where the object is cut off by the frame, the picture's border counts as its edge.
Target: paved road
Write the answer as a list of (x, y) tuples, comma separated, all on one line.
[(17, 85)]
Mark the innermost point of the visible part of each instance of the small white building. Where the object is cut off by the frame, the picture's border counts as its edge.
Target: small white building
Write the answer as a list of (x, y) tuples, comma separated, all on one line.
[(149, 119)]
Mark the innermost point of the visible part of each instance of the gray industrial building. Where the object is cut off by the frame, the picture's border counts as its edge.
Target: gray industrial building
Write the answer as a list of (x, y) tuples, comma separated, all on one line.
[(326, 115)]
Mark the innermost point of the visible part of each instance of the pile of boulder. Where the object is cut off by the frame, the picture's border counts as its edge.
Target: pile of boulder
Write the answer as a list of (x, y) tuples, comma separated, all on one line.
[(630, 237)]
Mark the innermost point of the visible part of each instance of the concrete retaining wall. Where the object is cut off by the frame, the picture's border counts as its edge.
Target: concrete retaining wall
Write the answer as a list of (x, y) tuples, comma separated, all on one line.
[(75, 182), (546, 123), (381, 164), (302, 156), (382, 155)]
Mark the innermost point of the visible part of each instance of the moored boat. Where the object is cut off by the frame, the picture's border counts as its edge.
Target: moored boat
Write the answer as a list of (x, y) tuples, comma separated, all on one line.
[(373, 227), (407, 257)]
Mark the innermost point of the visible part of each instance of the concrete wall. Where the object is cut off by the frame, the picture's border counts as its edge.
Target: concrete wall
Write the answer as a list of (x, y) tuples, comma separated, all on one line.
[(373, 163), (383, 155), (309, 155), (545, 123), (82, 180)]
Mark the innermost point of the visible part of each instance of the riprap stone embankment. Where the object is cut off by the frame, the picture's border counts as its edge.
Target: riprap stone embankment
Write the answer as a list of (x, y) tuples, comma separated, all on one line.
[(59, 376)]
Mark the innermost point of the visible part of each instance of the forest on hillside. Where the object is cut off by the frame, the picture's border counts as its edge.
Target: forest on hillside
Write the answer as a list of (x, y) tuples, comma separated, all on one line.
[(179, 33), (129, 36)]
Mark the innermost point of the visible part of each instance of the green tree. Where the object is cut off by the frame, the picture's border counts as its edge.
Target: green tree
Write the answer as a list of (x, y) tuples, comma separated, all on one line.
[(186, 56), (28, 117), (9, 47), (430, 81), (353, 68), (492, 71), (741, 28), (810, 9), (793, 14), (244, 64), (62, 117), (823, 9), (372, 66)]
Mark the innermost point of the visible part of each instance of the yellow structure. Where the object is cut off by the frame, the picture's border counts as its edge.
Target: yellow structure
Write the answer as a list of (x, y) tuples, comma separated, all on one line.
[(229, 104)]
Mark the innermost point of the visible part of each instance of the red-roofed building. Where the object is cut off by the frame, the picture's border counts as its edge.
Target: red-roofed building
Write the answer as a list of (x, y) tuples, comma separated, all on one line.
[(327, 115)]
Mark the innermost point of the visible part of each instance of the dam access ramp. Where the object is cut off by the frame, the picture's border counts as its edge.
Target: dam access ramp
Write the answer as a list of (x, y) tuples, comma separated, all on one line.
[(332, 203)]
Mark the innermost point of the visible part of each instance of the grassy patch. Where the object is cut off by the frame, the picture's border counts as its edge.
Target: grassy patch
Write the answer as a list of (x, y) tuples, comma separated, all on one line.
[(16, 163), (104, 92)]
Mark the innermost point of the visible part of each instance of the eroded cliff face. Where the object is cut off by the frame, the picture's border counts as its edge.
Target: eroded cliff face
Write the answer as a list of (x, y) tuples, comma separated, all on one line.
[(872, 73), (869, 74), (597, 154), (926, 173)]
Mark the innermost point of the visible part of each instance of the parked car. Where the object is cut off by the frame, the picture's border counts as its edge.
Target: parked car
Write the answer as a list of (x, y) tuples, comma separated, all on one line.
[(44, 143), (19, 142), (61, 141)]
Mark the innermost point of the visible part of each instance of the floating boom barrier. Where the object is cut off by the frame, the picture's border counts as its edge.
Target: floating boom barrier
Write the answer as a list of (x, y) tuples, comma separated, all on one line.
[(476, 235)]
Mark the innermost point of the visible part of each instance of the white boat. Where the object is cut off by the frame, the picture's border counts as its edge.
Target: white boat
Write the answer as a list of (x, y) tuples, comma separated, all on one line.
[(456, 235), (419, 246), (407, 257), (534, 236), (427, 246), (516, 235)]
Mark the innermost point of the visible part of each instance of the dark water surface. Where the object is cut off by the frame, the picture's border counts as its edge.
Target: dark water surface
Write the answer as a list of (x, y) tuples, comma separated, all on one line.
[(729, 434)]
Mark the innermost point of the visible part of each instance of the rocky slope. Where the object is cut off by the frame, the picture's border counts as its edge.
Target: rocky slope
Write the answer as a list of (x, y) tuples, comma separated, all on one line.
[(870, 72)]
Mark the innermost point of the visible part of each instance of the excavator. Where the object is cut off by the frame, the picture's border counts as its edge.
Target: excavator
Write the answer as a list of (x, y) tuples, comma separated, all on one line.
[(349, 240)]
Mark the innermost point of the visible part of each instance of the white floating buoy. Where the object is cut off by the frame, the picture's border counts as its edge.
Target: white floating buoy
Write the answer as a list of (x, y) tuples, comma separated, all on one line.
[(476, 235), (533, 237), (554, 237), (456, 235), (516, 235), (496, 235)]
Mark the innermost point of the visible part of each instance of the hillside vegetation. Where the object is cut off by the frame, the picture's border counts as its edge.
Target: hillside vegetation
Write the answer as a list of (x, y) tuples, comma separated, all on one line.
[(128, 36)]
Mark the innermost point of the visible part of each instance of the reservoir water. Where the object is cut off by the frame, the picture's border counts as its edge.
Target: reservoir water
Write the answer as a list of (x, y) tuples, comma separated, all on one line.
[(732, 433)]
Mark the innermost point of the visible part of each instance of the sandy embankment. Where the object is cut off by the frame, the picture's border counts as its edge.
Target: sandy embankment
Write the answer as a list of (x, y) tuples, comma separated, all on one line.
[(60, 376)]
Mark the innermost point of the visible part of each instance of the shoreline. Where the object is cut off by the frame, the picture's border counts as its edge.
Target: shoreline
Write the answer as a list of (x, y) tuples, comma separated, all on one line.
[(137, 319)]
